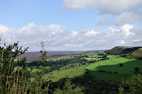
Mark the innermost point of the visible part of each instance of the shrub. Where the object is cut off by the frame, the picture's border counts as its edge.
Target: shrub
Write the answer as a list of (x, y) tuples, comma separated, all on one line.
[(121, 65), (109, 72), (87, 71), (13, 72), (102, 71), (132, 86), (115, 72), (69, 88), (137, 70), (15, 75)]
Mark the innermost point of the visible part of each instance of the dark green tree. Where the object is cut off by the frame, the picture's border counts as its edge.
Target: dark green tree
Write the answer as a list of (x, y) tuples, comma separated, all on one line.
[(69, 88), (132, 86), (13, 72)]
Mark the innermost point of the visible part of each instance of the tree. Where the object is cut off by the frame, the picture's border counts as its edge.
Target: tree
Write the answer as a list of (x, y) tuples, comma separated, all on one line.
[(13, 72), (69, 89), (43, 55), (137, 70), (132, 86), (39, 82), (121, 65)]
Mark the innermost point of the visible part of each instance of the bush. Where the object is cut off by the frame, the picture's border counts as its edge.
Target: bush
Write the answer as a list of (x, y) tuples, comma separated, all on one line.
[(132, 86), (87, 71), (115, 72), (13, 72), (102, 71), (137, 70), (121, 65), (15, 76), (109, 72), (69, 88)]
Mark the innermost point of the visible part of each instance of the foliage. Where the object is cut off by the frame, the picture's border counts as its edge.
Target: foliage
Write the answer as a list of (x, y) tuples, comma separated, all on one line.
[(70, 61), (15, 76), (13, 73), (69, 88), (18, 78), (137, 70), (121, 65), (132, 86), (43, 55)]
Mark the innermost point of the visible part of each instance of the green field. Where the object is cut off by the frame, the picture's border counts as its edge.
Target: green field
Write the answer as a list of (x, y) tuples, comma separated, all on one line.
[(113, 65), (66, 73), (110, 66)]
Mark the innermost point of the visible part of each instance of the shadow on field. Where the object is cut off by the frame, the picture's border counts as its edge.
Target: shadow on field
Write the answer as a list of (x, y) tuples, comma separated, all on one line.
[(105, 79), (118, 72), (90, 84)]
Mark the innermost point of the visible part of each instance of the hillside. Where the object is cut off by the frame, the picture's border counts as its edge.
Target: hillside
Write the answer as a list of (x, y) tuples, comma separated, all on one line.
[(111, 69), (137, 54), (34, 56), (122, 50), (107, 69)]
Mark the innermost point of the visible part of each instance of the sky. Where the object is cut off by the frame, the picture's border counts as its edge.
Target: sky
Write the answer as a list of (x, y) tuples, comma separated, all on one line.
[(71, 25)]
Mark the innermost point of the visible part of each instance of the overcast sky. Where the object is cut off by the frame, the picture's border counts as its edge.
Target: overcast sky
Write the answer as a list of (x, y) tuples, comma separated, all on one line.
[(71, 25)]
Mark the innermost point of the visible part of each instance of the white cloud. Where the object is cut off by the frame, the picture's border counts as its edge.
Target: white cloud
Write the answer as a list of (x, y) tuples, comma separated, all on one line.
[(74, 33), (122, 42), (3, 28), (111, 12), (58, 37), (126, 29), (109, 6), (90, 33)]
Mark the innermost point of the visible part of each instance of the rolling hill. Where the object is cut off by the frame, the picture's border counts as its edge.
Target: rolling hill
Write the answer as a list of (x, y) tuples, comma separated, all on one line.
[(122, 50), (137, 54)]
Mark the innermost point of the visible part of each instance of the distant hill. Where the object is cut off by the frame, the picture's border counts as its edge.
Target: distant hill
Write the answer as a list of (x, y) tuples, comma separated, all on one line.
[(137, 54), (33, 56), (122, 50)]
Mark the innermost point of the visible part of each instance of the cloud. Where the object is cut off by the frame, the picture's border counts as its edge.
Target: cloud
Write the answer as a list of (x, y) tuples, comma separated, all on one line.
[(130, 17), (74, 33), (58, 37), (107, 6), (126, 29), (111, 12), (104, 20), (127, 17), (122, 42), (91, 33)]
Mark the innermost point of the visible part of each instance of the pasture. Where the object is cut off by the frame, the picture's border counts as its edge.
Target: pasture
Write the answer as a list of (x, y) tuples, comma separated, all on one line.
[(111, 69), (66, 73)]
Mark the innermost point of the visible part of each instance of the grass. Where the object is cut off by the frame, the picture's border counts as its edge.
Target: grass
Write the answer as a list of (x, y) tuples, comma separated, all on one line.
[(113, 65), (110, 66), (66, 73), (72, 71), (60, 58), (112, 61)]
